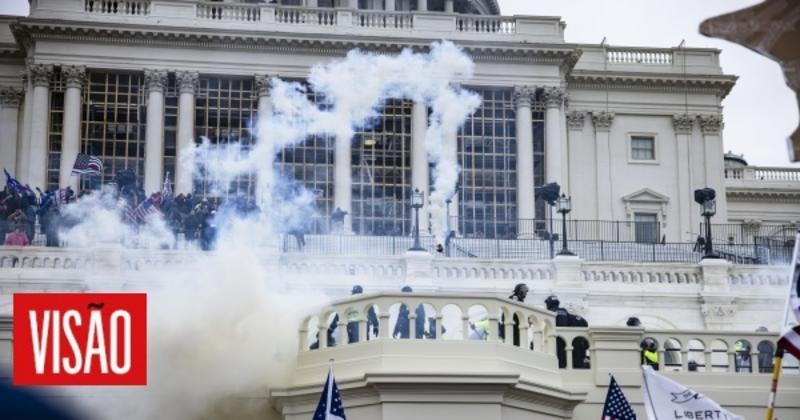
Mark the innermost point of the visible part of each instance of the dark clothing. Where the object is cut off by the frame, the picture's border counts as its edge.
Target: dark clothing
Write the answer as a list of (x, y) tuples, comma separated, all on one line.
[(402, 327)]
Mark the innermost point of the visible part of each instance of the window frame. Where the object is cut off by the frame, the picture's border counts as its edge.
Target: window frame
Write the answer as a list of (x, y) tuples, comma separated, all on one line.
[(656, 154)]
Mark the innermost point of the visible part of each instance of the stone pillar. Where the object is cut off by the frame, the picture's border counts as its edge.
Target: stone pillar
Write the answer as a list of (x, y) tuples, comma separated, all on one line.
[(10, 99), (187, 82), (448, 6), (156, 82), (553, 148), (422, 5), (343, 180), (311, 3), (602, 135), (390, 6), (73, 76), (526, 203), (37, 159), (419, 158), (24, 140), (354, 4), (264, 109), (711, 126), (683, 124)]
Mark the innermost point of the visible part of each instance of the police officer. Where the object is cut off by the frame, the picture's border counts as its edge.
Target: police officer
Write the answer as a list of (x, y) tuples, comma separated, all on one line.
[(352, 322), (401, 328)]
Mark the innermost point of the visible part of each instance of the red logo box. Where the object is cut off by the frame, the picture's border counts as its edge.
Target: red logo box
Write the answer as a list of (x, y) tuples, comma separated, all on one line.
[(80, 339)]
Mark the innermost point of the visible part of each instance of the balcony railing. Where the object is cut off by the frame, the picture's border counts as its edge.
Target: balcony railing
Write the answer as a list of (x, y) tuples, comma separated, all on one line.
[(762, 173), (639, 56), (118, 7), (475, 319)]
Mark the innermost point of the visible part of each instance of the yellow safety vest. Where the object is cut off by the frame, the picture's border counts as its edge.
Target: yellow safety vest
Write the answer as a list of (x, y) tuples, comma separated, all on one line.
[(651, 356), (482, 327)]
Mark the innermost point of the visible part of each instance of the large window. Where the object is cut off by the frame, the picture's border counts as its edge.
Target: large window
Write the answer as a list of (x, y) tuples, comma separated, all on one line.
[(381, 167), (311, 163), (112, 127), (487, 152), (224, 109), (54, 133)]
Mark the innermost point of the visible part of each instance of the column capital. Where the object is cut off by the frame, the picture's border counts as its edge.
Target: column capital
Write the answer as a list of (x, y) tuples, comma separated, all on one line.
[(523, 95), (155, 80), (576, 119), (683, 123), (40, 74), (711, 124), (554, 96), (263, 85), (11, 96), (73, 76), (187, 81), (602, 120)]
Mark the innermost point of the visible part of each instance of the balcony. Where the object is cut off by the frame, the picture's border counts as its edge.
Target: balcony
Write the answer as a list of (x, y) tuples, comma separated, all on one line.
[(567, 366), (193, 15), (762, 176)]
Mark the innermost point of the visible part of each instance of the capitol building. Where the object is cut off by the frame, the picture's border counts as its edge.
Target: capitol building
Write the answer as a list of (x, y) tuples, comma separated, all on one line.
[(628, 132)]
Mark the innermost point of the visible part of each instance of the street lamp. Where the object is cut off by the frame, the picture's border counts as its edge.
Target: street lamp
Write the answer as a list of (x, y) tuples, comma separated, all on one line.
[(417, 200), (549, 193), (706, 198), (564, 206)]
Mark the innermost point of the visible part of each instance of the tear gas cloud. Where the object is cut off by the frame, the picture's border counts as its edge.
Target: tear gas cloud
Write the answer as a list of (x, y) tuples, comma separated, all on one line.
[(224, 331)]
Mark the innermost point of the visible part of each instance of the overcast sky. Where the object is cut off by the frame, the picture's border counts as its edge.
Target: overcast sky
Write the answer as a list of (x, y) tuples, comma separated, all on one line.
[(760, 112)]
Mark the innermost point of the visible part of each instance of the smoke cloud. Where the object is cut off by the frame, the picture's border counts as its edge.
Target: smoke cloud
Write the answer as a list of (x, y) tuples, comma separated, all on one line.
[(224, 331)]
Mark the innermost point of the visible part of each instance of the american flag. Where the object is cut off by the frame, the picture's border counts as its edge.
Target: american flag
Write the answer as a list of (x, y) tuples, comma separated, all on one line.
[(330, 403), (790, 339), (144, 210), (617, 407), (87, 164)]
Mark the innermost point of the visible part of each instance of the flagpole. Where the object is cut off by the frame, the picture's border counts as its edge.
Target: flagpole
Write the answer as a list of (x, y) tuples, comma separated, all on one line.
[(777, 360)]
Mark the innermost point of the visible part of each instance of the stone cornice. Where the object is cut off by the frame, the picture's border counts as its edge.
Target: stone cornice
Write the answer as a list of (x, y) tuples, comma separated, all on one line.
[(765, 195), (27, 32), (717, 84)]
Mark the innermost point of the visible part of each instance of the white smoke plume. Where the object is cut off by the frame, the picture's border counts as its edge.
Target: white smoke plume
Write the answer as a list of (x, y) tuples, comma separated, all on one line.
[(224, 331), (354, 89)]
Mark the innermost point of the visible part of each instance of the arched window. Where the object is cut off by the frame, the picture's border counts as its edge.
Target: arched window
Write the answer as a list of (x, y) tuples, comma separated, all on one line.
[(580, 353)]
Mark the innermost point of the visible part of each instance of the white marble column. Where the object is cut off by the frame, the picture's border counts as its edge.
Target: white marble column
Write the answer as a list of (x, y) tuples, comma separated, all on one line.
[(10, 99), (187, 82), (343, 181), (24, 140), (37, 159), (526, 203), (711, 126), (311, 3), (389, 5), (419, 158), (264, 109), (422, 5), (602, 138), (553, 147), (683, 124), (448, 6), (155, 82), (73, 77)]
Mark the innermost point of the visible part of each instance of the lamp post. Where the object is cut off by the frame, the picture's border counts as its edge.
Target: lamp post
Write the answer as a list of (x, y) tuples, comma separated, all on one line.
[(706, 197), (564, 205), (417, 199)]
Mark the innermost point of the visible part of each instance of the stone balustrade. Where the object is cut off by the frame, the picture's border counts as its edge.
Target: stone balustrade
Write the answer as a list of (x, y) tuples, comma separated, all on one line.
[(763, 174), (654, 56), (118, 7)]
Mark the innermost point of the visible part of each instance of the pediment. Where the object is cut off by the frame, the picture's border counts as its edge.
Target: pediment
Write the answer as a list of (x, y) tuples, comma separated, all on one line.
[(646, 195)]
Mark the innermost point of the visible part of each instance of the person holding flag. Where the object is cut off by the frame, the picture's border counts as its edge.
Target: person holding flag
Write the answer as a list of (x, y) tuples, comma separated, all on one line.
[(330, 402)]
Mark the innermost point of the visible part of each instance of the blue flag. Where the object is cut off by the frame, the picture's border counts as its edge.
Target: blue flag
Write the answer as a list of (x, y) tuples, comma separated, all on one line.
[(330, 403), (14, 185)]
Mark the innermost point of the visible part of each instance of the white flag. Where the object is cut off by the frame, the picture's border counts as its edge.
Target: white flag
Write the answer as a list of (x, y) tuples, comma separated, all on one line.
[(665, 399)]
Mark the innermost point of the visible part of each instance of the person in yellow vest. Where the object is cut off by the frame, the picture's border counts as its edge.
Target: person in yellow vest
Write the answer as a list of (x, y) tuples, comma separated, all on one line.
[(480, 330), (650, 353)]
